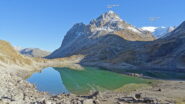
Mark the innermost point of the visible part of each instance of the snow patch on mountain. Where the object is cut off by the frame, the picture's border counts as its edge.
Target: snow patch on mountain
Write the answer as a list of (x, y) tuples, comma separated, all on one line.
[(149, 28), (158, 32), (110, 16)]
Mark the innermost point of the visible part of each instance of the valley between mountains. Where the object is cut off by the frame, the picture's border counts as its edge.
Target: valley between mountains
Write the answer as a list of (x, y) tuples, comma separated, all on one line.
[(110, 43)]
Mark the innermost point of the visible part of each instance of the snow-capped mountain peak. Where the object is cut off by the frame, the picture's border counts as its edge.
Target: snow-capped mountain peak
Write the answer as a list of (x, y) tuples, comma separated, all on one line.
[(158, 32), (111, 12), (108, 17), (108, 21), (111, 22)]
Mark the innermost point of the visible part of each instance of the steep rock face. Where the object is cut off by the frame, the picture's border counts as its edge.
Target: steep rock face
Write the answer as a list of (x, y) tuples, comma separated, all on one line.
[(34, 52), (171, 48), (99, 36), (178, 32), (167, 53)]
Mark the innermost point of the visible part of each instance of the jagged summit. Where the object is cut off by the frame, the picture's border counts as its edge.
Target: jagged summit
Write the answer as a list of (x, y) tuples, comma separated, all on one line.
[(105, 23), (110, 12), (101, 33), (108, 21), (109, 16)]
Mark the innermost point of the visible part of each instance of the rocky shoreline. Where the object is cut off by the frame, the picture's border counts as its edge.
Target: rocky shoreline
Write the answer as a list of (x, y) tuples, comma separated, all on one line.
[(15, 90)]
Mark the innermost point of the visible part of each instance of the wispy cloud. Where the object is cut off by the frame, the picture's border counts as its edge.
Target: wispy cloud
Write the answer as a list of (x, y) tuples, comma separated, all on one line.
[(152, 19), (113, 5)]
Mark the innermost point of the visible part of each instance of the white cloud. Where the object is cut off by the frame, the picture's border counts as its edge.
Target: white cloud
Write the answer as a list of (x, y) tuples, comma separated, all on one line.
[(153, 18), (113, 5)]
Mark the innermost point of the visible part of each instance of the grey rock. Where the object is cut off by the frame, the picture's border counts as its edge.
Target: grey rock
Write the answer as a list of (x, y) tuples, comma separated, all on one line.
[(48, 102), (97, 102), (88, 101), (138, 96), (148, 100), (127, 99), (34, 52)]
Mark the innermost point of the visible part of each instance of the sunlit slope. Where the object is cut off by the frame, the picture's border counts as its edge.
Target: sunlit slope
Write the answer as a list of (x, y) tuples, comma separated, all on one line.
[(8, 55)]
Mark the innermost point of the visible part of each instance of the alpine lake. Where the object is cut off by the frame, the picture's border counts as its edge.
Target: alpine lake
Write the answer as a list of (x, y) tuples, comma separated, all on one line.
[(64, 80)]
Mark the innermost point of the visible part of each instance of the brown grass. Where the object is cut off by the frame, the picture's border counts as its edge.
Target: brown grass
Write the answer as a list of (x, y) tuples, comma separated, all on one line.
[(10, 56), (129, 35)]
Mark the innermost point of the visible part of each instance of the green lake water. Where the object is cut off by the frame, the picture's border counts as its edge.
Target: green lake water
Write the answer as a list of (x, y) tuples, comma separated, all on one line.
[(64, 80)]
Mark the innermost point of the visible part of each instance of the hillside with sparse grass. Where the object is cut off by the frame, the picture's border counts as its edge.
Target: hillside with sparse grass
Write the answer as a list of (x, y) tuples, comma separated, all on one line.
[(8, 55)]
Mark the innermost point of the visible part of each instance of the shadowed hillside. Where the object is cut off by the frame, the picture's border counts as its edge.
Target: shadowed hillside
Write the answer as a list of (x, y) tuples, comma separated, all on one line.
[(111, 43)]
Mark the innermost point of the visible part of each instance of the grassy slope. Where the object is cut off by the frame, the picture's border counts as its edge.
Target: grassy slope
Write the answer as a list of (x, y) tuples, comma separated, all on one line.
[(9, 55)]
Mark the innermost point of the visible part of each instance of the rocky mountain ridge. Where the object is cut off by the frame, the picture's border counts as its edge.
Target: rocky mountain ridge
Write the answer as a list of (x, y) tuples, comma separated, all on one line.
[(81, 36), (109, 41), (163, 54)]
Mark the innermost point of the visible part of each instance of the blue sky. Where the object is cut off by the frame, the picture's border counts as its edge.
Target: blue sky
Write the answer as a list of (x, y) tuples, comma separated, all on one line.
[(43, 23)]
